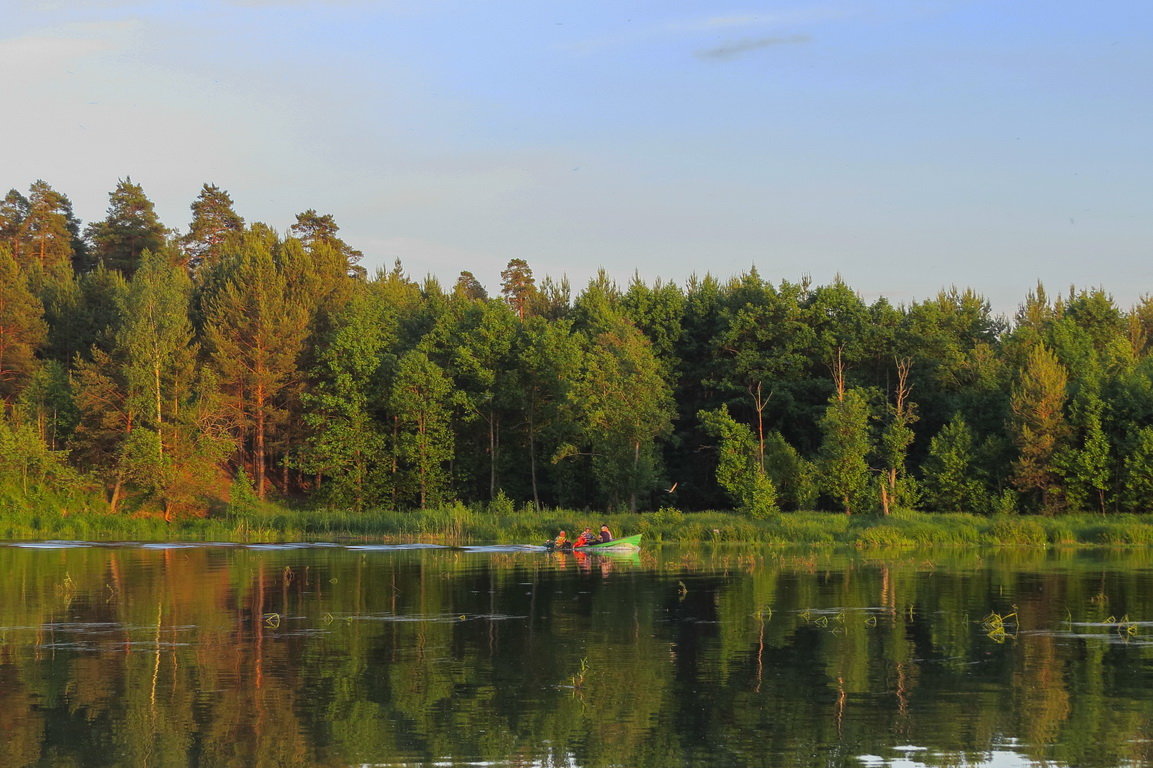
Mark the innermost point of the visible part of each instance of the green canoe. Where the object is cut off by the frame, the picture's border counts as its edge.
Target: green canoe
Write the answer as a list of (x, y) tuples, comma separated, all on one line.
[(624, 544)]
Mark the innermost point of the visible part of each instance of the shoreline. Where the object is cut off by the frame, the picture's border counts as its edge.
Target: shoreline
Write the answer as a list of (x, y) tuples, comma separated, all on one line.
[(458, 525)]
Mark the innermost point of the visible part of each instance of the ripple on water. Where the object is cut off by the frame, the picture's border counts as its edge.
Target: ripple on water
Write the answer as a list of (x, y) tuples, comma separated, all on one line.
[(504, 548), (395, 547), (51, 544)]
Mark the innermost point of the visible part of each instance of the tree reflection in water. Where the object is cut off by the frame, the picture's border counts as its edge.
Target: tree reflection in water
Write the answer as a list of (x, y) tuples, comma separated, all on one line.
[(131, 655)]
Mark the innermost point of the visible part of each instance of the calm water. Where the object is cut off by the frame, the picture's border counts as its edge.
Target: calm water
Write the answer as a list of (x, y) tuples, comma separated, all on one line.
[(343, 655)]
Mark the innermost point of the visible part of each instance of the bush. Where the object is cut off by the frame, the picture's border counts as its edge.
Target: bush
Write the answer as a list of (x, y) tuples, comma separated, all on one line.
[(242, 498), (883, 536), (1017, 531), (665, 522), (502, 505)]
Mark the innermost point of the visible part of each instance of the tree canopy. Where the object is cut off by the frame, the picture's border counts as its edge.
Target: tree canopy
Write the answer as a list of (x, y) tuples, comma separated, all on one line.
[(175, 367)]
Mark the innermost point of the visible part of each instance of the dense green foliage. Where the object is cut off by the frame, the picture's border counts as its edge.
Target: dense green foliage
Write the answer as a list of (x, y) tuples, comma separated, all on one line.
[(157, 368)]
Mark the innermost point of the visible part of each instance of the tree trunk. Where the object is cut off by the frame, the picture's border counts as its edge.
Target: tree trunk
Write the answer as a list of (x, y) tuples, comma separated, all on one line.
[(159, 411), (420, 460), (258, 452), (636, 466), (115, 500), (759, 402), (532, 456), (492, 440)]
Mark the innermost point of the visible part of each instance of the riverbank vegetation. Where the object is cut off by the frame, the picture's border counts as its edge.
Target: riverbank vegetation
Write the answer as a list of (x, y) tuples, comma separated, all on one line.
[(186, 376), (458, 525)]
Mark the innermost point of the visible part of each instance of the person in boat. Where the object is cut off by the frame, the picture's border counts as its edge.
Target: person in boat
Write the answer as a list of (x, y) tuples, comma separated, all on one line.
[(561, 541), (586, 537), (606, 534)]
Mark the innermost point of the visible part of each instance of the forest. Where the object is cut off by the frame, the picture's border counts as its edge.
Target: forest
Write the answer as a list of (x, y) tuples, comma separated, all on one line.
[(152, 370)]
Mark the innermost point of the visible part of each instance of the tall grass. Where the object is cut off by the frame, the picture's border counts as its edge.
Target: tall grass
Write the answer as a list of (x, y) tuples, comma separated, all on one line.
[(50, 516)]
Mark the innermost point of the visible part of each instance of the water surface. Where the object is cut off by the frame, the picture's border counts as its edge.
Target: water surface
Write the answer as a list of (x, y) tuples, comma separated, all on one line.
[(328, 655)]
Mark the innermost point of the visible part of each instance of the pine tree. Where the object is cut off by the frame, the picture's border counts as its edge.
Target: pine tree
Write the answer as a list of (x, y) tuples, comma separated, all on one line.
[(130, 228), (22, 328), (518, 286), (13, 213), (214, 220), (254, 332), (50, 234), (468, 287), (106, 419), (1039, 427), (314, 229)]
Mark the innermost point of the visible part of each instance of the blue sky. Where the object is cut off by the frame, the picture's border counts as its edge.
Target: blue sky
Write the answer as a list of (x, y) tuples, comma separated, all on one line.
[(907, 145)]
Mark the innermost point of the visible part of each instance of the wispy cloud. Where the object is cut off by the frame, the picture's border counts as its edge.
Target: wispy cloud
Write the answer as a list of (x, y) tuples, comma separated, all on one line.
[(53, 6), (740, 47), (799, 17), (59, 48), (719, 26), (403, 5)]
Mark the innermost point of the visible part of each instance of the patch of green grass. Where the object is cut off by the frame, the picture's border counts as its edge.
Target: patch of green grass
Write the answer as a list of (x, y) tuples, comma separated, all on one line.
[(1017, 531), (47, 515)]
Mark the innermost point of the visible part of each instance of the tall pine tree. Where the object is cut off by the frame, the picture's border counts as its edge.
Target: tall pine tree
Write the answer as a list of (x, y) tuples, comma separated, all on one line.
[(129, 228)]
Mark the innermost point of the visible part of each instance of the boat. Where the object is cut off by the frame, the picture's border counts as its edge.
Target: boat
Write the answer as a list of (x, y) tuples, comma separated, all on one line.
[(623, 544)]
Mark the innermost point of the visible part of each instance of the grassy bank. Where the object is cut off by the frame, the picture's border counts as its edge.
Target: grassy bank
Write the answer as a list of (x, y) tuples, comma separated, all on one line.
[(459, 524)]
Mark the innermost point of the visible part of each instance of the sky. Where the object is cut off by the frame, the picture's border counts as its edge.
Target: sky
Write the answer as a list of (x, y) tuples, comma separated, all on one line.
[(904, 145)]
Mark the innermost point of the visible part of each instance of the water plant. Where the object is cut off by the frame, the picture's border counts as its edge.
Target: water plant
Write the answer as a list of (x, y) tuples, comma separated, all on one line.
[(1000, 628)]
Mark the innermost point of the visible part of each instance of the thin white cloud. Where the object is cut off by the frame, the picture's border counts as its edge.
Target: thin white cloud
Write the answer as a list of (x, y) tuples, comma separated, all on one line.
[(64, 45), (795, 18), (396, 5), (55, 6)]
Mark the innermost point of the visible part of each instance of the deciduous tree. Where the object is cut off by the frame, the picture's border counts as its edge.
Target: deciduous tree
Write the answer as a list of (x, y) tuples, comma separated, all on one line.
[(740, 470), (346, 443), (625, 405), (950, 481), (419, 401), (845, 447)]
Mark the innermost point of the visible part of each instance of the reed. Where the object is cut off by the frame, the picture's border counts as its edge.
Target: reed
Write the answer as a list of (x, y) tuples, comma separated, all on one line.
[(64, 517)]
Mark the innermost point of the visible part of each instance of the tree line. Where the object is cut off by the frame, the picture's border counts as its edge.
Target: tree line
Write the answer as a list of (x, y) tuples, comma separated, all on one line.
[(173, 370)]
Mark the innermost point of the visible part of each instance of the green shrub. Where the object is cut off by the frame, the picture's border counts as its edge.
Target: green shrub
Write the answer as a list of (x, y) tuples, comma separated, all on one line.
[(1017, 531), (885, 536), (502, 505), (664, 523)]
